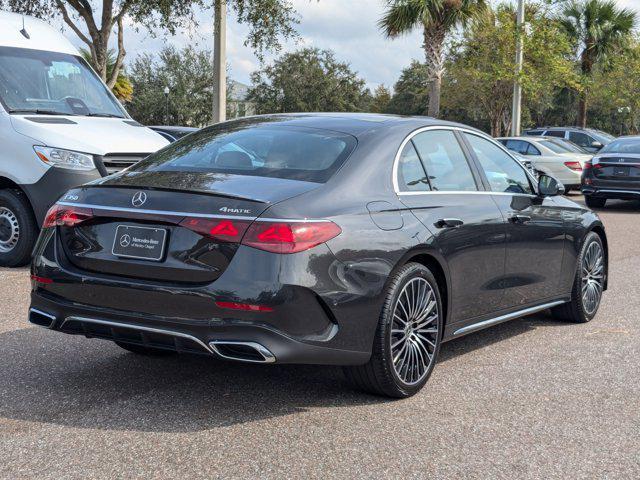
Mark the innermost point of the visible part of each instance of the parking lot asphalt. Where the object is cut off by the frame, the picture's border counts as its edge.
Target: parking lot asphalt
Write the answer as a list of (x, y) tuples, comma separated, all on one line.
[(532, 398)]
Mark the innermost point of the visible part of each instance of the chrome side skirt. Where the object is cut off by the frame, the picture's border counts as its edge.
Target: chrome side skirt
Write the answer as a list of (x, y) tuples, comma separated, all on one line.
[(503, 318)]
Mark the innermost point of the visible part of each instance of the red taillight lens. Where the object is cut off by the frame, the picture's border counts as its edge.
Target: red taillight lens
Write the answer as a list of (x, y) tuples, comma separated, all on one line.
[(43, 280), (221, 229), (289, 237), (575, 166), (66, 216)]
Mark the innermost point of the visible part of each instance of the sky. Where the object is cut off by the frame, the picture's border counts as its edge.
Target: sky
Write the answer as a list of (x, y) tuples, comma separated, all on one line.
[(348, 27)]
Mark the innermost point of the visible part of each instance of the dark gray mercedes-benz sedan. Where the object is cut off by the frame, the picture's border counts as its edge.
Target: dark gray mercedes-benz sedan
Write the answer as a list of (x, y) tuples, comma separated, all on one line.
[(346, 239)]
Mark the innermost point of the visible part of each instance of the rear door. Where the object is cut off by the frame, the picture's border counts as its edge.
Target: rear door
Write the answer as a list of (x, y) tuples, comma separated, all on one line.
[(436, 181), (535, 229)]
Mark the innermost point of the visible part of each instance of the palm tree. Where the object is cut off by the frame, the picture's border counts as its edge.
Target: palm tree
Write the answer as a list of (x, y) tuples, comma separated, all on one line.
[(597, 29), (437, 18)]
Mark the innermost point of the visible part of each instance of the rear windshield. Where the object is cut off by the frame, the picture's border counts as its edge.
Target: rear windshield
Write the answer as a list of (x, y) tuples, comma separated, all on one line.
[(296, 153), (554, 146), (626, 145)]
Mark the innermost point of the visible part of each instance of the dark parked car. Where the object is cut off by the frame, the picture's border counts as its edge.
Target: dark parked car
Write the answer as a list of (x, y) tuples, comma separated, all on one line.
[(356, 240), (589, 139), (613, 173), (173, 133)]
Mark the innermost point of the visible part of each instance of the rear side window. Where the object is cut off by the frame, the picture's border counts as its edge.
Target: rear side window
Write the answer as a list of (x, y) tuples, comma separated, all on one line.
[(517, 146), (505, 174), (444, 161), (534, 132), (411, 174), (531, 150), (296, 153), (555, 133)]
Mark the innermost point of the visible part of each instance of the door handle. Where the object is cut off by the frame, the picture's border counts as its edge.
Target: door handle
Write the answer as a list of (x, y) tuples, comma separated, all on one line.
[(520, 219), (448, 223)]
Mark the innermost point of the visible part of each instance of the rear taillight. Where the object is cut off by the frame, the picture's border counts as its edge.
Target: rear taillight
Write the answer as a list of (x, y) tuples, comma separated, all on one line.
[(66, 216), (247, 307), (221, 229), (283, 237), (575, 166)]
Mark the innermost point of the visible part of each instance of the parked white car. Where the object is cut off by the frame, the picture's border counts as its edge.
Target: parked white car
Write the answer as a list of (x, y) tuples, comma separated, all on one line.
[(556, 158), (60, 127)]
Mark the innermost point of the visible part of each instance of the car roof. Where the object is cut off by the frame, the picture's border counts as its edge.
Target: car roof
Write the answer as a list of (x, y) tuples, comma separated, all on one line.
[(350, 123)]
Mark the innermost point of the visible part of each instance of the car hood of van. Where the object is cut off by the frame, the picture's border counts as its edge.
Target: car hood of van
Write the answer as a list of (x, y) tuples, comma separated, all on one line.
[(93, 135)]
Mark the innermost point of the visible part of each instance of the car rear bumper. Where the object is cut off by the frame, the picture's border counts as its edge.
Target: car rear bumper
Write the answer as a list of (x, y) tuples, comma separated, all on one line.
[(222, 337), (609, 192)]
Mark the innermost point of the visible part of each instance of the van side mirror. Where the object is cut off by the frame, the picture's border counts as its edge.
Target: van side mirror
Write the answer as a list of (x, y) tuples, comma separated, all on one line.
[(549, 186)]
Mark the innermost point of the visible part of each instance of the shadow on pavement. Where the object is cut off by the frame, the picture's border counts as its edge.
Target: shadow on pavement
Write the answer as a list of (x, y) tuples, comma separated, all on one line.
[(54, 378)]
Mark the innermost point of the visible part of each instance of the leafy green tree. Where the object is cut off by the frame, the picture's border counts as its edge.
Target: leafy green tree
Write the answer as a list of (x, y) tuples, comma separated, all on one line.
[(437, 18), (482, 70), (268, 21), (411, 91), (187, 73), (380, 100), (122, 89), (597, 28), (308, 80)]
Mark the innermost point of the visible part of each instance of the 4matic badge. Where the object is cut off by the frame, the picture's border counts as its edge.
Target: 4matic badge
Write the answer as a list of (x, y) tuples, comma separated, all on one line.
[(234, 210)]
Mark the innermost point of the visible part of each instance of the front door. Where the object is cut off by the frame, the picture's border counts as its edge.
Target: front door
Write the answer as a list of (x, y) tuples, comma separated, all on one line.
[(535, 229), (445, 193)]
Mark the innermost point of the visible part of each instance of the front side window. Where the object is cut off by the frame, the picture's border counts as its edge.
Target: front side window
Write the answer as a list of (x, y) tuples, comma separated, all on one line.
[(505, 174), (411, 174), (581, 139), (260, 150), (444, 161), (50, 82)]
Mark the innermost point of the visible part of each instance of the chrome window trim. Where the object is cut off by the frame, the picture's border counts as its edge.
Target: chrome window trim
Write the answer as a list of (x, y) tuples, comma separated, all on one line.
[(409, 137), (189, 214)]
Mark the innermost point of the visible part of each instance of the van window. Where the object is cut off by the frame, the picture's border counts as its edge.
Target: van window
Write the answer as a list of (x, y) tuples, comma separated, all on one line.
[(35, 81)]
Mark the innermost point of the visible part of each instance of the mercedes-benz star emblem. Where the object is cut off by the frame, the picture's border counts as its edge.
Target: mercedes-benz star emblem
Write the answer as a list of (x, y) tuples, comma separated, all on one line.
[(138, 199), (125, 240)]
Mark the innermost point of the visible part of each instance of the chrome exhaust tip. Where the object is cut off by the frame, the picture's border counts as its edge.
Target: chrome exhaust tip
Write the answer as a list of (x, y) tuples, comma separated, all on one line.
[(40, 318), (242, 351)]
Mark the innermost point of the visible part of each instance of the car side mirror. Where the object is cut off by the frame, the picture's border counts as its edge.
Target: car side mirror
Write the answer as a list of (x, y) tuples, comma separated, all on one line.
[(549, 186), (597, 145)]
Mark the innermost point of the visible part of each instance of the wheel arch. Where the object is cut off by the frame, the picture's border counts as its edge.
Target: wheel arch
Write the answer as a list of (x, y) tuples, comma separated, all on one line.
[(8, 184), (436, 264)]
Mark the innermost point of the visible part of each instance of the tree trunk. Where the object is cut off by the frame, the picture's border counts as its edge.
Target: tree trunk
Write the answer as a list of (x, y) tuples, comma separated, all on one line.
[(582, 110), (434, 36)]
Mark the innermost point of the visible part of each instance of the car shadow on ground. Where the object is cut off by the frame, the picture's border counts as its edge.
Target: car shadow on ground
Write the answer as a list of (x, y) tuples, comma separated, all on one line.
[(54, 378)]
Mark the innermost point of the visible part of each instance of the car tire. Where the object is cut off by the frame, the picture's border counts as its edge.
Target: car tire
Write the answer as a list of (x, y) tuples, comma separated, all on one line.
[(18, 228), (591, 267), (142, 350), (594, 202), (417, 343)]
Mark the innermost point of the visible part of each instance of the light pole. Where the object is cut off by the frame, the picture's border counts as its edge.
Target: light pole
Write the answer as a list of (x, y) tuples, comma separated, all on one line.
[(516, 111), (166, 105), (219, 61)]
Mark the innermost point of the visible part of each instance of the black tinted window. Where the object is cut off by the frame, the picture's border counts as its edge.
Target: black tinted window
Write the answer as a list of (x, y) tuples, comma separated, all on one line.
[(411, 174), (555, 133), (266, 151), (581, 139), (505, 174), (444, 161)]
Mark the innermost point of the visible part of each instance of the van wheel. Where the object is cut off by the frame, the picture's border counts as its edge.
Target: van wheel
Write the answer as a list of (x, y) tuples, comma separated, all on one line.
[(18, 229)]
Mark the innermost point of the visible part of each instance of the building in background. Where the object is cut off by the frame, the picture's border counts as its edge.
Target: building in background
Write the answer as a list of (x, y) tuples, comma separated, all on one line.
[(238, 105)]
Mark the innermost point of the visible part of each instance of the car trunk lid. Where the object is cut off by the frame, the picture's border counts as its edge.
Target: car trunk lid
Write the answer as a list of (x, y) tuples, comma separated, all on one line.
[(187, 228)]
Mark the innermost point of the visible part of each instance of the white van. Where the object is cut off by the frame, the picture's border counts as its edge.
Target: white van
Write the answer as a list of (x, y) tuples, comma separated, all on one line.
[(60, 127)]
